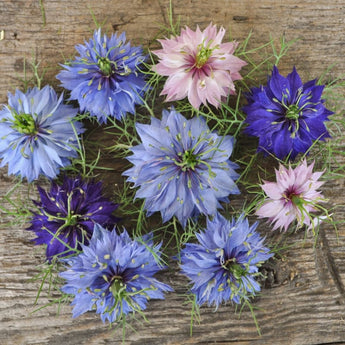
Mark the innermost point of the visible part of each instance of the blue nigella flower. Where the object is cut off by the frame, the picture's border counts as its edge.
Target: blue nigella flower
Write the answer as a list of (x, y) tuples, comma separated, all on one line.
[(182, 168), (37, 134), (67, 214), (105, 78), (286, 115), (224, 264), (114, 275)]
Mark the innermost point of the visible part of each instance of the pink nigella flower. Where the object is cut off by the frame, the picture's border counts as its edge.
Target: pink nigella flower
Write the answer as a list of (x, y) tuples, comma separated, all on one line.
[(198, 66), (292, 197)]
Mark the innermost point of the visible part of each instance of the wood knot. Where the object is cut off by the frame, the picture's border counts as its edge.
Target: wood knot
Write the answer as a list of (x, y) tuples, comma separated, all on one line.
[(240, 18)]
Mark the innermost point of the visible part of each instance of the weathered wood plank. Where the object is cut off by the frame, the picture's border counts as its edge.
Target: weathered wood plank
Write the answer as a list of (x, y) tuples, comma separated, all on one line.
[(304, 298), (69, 23)]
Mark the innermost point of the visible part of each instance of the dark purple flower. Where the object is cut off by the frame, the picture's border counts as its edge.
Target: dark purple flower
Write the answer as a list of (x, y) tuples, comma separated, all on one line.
[(286, 115), (67, 214)]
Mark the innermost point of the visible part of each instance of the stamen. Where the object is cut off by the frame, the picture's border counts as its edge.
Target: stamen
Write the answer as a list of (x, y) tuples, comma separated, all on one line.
[(203, 54), (104, 65), (24, 123)]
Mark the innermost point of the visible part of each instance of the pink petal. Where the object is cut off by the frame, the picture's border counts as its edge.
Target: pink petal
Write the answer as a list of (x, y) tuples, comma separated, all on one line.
[(177, 86), (210, 33), (210, 90), (284, 218), (270, 208), (272, 190), (227, 62), (218, 37), (193, 96), (229, 47)]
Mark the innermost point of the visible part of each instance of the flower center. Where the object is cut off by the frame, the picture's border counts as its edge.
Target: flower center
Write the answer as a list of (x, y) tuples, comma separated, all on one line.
[(189, 160), (236, 269), (71, 220), (292, 112), (25, 123), (70, 225), (291, 195), (294, 197), (104, 65), (297, 200), (117, 286), (203, 55)]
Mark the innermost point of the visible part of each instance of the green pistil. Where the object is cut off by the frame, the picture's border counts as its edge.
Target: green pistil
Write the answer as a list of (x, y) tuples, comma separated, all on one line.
[(236, 269), (117, 286), (292, 112), (189, 160), (105, 66), (71, 220), (25, 123), (297, 201), (203, 54)]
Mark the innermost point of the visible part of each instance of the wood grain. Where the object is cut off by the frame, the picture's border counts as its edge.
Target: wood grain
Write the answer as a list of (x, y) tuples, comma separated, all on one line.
[(303, 301)]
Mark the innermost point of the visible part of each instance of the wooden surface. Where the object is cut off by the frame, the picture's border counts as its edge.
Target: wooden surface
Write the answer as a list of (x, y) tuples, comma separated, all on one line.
[(303, 301)]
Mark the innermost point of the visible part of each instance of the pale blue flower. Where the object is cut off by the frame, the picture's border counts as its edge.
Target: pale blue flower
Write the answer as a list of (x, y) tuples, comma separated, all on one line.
[(114, 275), (224, 264), (38, 136), (182, 168)]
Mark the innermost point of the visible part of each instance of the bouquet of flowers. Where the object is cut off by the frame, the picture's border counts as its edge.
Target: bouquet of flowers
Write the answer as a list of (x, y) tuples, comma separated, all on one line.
[(209, 155)]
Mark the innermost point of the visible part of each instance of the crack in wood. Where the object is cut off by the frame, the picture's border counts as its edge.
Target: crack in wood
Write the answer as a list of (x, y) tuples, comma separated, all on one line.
[(164, 12), (323, 252)]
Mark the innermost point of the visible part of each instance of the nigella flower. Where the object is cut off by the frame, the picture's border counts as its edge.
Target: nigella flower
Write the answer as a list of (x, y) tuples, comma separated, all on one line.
[(37, 134), (198, 66), (224, 264), (114, 275), (286, 115), (105, 78), (182, 168), (293, 197), (67, 213)]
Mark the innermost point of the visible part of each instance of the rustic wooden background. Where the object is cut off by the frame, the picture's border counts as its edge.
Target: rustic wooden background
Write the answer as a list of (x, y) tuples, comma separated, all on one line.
[(303, 301)]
